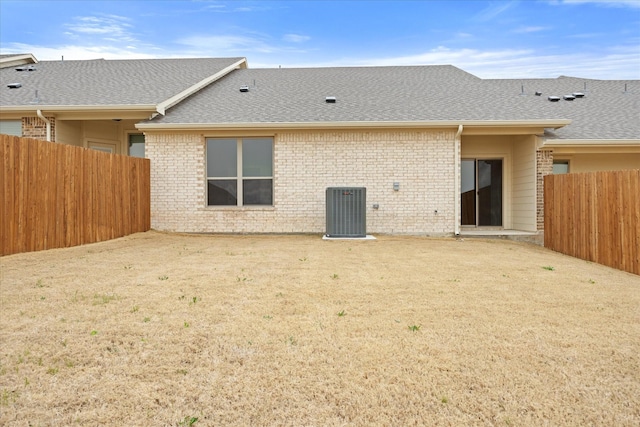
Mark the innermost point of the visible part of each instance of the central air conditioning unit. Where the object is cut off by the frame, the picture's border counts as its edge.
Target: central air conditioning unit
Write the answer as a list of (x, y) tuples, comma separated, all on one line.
[(346, 212)]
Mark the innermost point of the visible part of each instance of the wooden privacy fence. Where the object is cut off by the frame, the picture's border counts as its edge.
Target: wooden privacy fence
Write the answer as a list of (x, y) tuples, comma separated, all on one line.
[(55, 195), (595, 216)]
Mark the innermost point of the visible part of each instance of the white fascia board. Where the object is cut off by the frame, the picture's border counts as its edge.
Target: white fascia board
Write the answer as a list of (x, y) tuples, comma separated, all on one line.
[(26, 58), (82, 108), (550, 143), (354, 125), (164, 105)]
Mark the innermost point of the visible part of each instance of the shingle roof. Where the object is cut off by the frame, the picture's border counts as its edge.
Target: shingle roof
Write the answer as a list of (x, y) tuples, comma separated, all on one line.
[(422, 93), (106, 82)]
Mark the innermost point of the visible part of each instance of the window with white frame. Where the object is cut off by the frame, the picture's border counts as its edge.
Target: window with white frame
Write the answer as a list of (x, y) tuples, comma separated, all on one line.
[(239, 171)]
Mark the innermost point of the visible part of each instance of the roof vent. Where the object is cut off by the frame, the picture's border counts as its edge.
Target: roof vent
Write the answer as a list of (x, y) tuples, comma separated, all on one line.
[(554, 98), (578, 94), (244, 88), (568, 97), (538, 93), (330, 100), (14, 85)]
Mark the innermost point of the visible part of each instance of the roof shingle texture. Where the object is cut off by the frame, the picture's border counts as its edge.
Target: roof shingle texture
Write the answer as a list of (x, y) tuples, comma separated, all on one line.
[(106, 82), (421, 93)]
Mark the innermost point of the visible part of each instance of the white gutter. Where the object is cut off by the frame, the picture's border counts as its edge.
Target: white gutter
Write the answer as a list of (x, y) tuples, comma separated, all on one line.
[(355, 124), (456, 180), (48, 122), (164, 105)]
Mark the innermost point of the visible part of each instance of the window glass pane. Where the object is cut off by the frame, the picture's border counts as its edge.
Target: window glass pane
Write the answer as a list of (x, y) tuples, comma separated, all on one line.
[(222, 192), (11, 127), (222, 155), (257, 157), (136, 145), (257, 192), (560, 166)]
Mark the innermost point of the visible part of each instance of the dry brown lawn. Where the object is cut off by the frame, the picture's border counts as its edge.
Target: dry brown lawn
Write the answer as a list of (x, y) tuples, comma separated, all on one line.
[(161, 329)]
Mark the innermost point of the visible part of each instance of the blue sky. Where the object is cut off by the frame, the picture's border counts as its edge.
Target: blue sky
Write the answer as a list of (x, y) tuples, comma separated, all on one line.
[(491, 39)]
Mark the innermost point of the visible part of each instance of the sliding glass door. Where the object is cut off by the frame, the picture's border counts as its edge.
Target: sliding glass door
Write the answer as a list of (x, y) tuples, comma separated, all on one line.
[(481, 192)]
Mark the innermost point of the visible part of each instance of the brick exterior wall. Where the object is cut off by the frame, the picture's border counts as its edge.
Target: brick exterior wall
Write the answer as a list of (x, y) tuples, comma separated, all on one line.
[(306, 163), (35, 127), (544, 167)]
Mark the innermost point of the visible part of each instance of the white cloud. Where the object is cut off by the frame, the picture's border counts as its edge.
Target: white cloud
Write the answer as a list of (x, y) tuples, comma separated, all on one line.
[(494, 9), (78, 52), (114, 26), (225, 43), (295, 38), (618, 63), (526, 30)]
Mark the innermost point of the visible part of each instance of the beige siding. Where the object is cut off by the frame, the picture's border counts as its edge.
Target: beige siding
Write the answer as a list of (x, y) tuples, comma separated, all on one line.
[(306, 163), (524, 184), (601, 162), (70, 132)]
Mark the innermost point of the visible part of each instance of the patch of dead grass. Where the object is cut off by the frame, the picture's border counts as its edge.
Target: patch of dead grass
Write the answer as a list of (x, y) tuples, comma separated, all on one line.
[(158, 329)]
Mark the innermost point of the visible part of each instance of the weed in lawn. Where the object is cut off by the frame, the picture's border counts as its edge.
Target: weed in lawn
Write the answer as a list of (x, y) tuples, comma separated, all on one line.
[(26, 381), (302, 259), (181, 371), (186, 324), (52, 371), (342, 313), (42, 298), (194, 300), (444, 399), (94, 332), (548, 267), (187, 421), (279, 295), (64, 343), (69, 363), (334, 276), (101, 299), (146, 319), (291, 340), (181, 297), (39, 284), (163, 277), (591, 281), (7, 397), (128, 267), (135, 309), (414, 328), (268, 317)]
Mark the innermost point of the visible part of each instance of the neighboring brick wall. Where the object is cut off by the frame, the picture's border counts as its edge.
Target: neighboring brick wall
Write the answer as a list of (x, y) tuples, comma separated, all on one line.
[(35, 127), (306, 163), (544, 167)]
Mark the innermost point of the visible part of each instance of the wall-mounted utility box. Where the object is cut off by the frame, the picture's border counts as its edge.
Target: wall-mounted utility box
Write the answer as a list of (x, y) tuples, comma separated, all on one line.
[(346, 212)]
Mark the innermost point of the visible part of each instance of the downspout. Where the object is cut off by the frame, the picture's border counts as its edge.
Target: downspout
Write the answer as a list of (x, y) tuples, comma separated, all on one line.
[(48, 122), (456, 180)]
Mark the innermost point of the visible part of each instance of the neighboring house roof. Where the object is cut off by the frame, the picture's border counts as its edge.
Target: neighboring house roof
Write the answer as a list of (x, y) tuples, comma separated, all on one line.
[(95, 84), (610, 109), (419, 94)]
